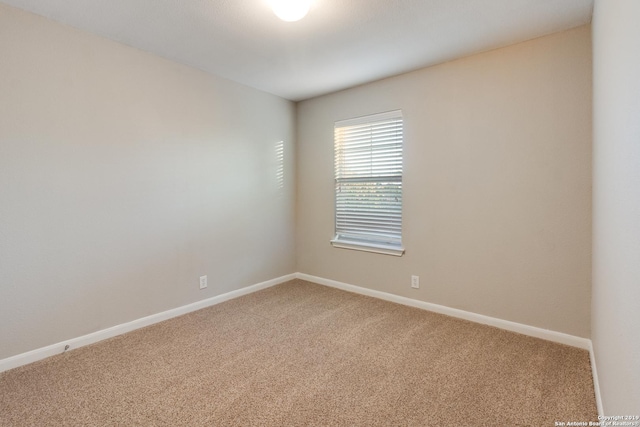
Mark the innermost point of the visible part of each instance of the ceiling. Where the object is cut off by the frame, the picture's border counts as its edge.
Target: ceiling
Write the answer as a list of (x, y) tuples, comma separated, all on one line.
[(340, 44)]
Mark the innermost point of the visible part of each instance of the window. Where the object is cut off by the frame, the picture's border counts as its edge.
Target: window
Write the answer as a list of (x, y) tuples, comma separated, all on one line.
[(368, 173)]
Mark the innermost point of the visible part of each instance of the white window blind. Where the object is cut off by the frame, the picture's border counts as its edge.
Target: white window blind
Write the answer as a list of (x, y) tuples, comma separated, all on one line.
[(368, 173)]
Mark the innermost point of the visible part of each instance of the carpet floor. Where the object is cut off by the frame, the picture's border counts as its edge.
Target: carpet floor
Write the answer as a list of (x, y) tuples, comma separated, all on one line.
[(301, 354)]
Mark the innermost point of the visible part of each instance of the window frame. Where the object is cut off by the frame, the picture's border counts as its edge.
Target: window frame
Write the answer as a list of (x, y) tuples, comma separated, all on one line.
[(363, 244)]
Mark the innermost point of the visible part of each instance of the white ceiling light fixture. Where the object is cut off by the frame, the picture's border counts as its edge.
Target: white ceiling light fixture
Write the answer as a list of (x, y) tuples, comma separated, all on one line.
[(290, 10)]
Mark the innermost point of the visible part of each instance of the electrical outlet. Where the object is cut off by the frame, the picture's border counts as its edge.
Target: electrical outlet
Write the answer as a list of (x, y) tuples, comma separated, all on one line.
[(203, 282), (415, 282)]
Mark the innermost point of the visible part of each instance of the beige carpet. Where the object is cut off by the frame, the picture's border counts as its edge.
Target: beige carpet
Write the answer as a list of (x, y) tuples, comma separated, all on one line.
[(301, 354)]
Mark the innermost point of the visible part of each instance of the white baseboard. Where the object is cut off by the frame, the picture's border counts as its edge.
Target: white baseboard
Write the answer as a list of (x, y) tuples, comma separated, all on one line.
[(545, 334), (531, 331), (596, 383), (51, 350)]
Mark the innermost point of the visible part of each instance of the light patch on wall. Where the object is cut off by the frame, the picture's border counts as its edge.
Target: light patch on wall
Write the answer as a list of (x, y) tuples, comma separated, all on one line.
[(280, 165)]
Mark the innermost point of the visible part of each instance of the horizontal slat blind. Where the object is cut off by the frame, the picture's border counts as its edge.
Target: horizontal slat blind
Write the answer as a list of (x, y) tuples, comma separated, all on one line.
[(368, 167)]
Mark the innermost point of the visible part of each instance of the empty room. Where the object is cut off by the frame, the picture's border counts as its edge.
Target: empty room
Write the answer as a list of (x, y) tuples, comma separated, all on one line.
[(320, 213)]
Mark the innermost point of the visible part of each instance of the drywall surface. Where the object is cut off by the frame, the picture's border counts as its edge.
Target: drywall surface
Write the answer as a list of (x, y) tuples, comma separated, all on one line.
[(125, 177), (497, 184), (616, 204)]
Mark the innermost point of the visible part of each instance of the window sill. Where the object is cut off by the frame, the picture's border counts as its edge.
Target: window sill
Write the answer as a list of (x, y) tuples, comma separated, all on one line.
[(368, 247)]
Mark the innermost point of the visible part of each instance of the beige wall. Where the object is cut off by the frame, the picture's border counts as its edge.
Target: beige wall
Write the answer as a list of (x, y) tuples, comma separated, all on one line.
[(123, 178), (497, 194), (616, 206)]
